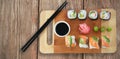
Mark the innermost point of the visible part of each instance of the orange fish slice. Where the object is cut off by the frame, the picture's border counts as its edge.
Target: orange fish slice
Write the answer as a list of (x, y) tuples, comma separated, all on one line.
[(84, 38), (93, 44), (105, 41)]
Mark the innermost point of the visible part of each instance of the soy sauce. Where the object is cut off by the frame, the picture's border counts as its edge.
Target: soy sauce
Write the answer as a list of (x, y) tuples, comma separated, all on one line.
[(62, 29)]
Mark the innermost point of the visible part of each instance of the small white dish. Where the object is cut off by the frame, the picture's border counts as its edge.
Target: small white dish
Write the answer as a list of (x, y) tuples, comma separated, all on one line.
[(68, 26)]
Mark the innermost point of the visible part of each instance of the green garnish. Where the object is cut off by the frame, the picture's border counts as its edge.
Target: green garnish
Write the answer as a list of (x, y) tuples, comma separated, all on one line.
[(73, 14), (70, 40), (109, 29), (96, 28), (81, 15), (95, 38), (81, 41), (102, 29), (92, 12), (103, 14), (106, 39)]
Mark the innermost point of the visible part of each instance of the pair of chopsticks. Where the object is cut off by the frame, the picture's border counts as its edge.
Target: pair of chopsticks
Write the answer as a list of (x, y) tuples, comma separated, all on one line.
[(29, 42)]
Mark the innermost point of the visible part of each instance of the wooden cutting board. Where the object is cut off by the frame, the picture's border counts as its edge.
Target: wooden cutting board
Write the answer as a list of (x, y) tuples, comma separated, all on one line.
[(58, 45)]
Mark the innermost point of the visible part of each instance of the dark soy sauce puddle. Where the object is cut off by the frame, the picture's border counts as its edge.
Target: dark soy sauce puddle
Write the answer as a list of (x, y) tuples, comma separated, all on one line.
[(62, 29)]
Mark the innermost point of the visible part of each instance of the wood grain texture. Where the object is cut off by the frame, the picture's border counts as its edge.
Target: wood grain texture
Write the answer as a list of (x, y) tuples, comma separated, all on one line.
[(94, 4), (18, 22), (58, 45), (75, 4), (59, 42), (44, 47), (28, 22), (51, 4), (9, 40), (43, 4)]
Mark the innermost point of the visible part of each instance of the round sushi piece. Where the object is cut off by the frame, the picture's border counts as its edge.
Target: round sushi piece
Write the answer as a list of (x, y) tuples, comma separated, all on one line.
[(105, 15), (93, 15), (82, 14), (71, 14)]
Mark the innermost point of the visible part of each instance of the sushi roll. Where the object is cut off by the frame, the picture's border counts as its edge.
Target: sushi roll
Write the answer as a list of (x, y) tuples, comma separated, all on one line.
[(93, 42), (82, 14), (105, 15), (93, 14), (71, 14), (70, 41), (105, 41), (83, 41)]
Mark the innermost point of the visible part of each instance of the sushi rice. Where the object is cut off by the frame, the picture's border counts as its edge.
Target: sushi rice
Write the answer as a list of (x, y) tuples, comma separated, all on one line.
[(71, 14), (93, 14), (105, 15), (82, 14)]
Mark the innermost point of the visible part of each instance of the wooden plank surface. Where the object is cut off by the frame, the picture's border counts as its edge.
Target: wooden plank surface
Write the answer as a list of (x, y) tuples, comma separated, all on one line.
[(28, 24), (19, 21), (94, 4), (9, 40), (50, 5), (43, 4)]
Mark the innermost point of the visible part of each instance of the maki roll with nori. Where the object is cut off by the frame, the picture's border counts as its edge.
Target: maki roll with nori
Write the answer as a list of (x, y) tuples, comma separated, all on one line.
[(83, 41), (71, 14), (82, 14), (93, 42), (105, 41), (93, 14), (105, 15), (70, 41)]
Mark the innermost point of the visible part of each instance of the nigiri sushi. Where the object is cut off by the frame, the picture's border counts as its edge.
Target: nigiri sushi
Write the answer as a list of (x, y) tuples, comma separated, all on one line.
[(105, 15), (71, 14), (105, 41), (83, 41), (82, 14), (70, 41), (93, 42), (93, 14)]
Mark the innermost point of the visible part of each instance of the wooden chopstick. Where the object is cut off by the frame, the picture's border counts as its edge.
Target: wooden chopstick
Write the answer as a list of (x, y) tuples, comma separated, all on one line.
[(29, 42)]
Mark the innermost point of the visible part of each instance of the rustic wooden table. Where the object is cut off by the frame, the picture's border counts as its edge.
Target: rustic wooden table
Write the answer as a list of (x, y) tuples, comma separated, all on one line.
[(19, 20)]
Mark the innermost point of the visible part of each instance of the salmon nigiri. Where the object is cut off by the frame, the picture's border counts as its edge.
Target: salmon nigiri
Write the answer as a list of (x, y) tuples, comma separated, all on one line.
[(105, 41), (93, 42), (83, 40)]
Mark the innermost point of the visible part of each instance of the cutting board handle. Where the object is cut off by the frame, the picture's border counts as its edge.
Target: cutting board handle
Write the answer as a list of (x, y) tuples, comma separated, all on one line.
[(44, 47)]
